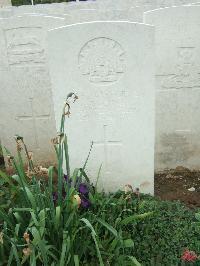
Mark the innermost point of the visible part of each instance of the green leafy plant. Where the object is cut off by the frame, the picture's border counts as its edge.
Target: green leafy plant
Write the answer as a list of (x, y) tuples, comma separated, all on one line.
[(62, 219), (55, 217), (162, 239)]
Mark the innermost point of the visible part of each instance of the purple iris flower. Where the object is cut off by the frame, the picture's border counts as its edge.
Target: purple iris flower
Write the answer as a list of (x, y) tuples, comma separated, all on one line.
[(83, 189), (55, 197), (66, 178), (85, 203)]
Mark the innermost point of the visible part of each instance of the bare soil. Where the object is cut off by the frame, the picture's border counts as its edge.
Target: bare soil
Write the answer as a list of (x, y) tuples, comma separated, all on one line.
[(179, 184)]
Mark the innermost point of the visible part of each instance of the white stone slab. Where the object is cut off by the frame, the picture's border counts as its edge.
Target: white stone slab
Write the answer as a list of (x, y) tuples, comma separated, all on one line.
[(178, 86), (134, 14), (114, 5), (4, 3), (25, 9), (197, 3), (101, 4), (155, 4), (81, 5), (86, 15), (6, 12), (184, 2), (110, 65), (26, 102), (54, 9)]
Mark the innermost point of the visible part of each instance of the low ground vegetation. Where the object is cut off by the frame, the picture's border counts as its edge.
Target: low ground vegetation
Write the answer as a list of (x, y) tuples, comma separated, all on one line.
[(51, 217)]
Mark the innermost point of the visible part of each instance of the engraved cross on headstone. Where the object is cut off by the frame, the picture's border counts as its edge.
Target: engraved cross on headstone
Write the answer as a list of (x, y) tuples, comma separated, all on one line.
[(34, 119), (106, 143)]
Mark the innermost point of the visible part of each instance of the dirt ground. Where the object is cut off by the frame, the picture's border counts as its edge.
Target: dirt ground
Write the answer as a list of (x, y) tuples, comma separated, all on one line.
[(179, 184)]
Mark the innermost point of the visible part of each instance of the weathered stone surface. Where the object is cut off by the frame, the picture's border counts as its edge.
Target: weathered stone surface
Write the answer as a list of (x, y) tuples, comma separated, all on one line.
[(115, 5), (20, 10), (105, 66), (178, 85), (4, 3), (81, 5), (86, 15), (6, 12), (54, 9), (184, 2), (103, 5), (26, 101), (147, 5)]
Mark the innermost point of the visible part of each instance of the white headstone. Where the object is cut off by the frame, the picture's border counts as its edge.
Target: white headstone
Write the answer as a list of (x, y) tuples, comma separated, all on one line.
[(81, 5), (6, 12), (147, 5), (197, 3), (54, 9), (114, 5), (4, 3), (184, 2), (101, 4), (178, 83), (134, 14), (26, 101), (86, 15), (110, 65), (25, 9)]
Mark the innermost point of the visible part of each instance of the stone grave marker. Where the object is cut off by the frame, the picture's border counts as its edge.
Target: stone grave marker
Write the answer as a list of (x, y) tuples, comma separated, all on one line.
[(178, 86), (134, 14), (6, 12), (80, 5), (147, 5), (111, 68), (184, 2), (26, 101), (54, 9), (4, 3), (114, 5), (86, 15)]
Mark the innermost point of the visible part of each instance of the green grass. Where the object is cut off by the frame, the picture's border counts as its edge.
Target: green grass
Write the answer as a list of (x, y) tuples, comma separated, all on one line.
[(112, 230)]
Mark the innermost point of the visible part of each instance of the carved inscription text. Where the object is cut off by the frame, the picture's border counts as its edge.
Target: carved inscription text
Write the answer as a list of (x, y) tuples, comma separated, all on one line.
[(102, 60)]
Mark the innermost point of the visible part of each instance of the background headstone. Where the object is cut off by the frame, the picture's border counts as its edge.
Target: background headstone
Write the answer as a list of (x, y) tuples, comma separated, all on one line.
[(4, 3), (26, 101), (178, 86), (111, 67), (114, 5), (6, 12), (86, 15), (145, 4)]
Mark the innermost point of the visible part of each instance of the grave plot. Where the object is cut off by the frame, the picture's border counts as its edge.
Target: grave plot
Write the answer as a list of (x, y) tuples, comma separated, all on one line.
[(177, 86), (26, 100), (115, 85)]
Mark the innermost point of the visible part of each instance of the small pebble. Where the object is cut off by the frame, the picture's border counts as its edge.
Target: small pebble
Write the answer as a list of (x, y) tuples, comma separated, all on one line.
[(191, 189)]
